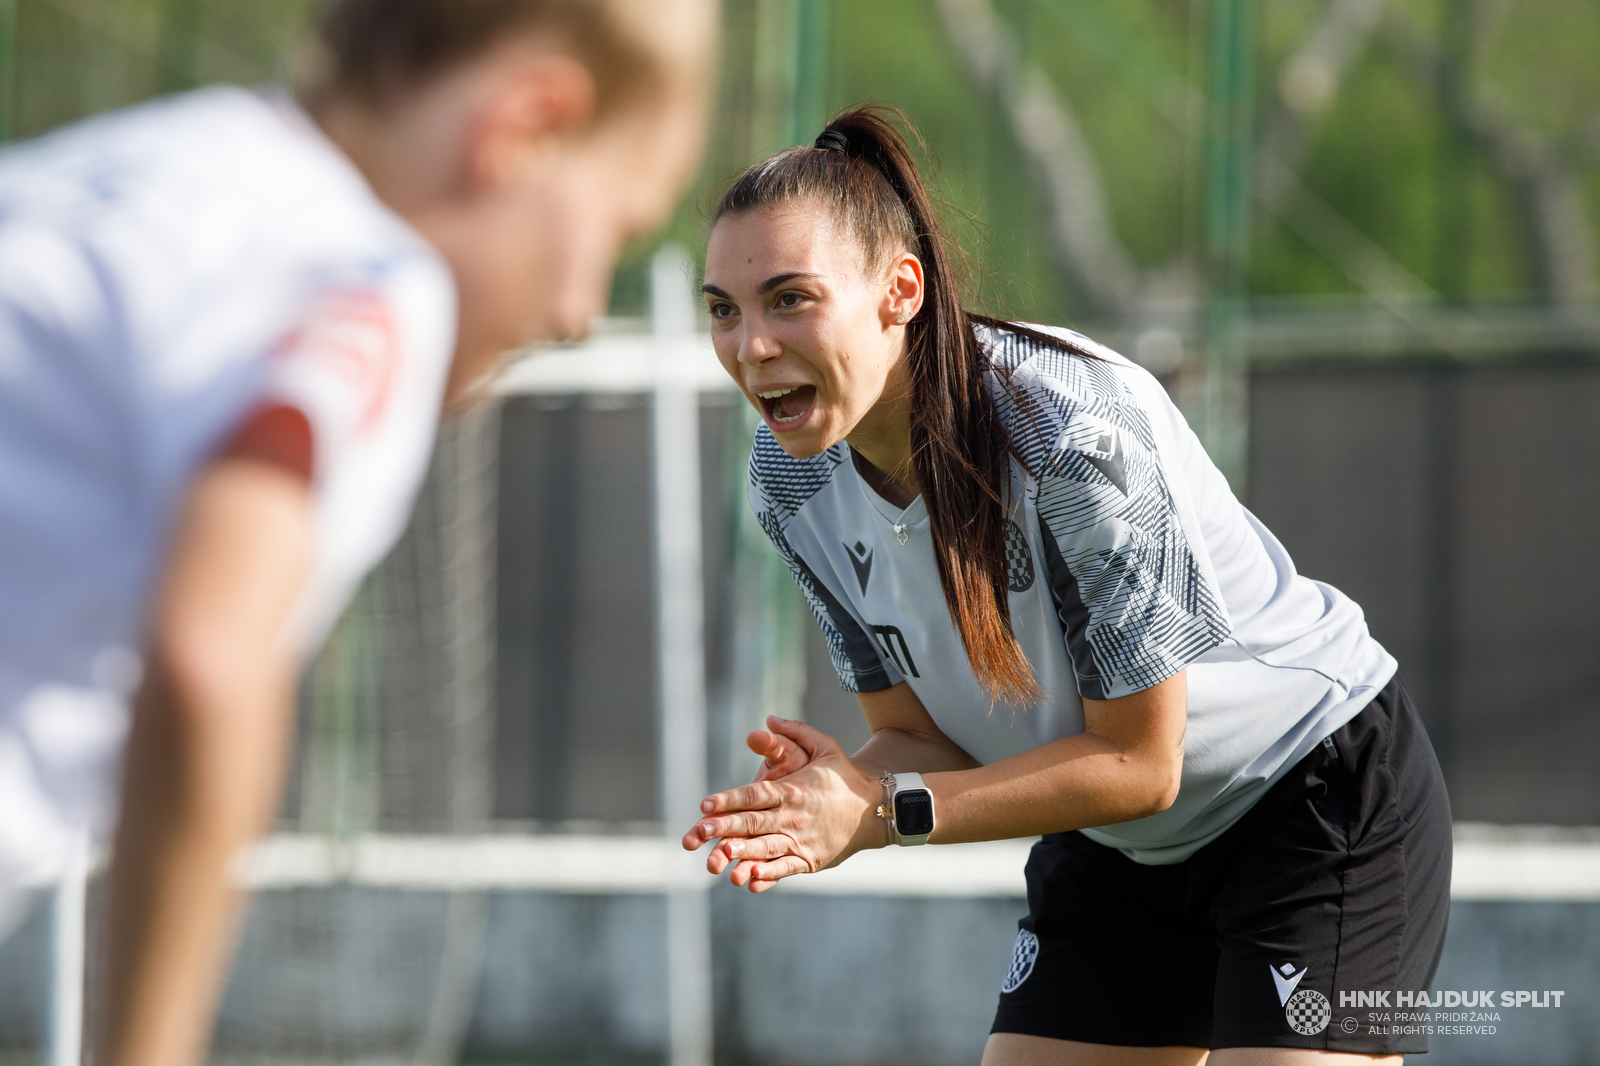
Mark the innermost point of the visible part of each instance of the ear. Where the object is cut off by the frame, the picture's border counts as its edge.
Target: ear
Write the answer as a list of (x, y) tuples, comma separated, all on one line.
[(533, 97), (904, 292)]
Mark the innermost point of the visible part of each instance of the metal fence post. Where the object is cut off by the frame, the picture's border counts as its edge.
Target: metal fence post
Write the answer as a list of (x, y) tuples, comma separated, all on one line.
[(68, 944), (1223, 408), (680, 655)]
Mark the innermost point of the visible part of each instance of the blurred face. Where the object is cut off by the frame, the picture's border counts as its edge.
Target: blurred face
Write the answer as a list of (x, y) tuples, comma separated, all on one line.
[(501, 164), (537, 263), (807, 329)]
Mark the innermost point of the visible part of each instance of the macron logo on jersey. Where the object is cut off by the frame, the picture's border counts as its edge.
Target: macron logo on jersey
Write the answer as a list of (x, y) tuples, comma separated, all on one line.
[(1110, 464), (1286, 979), (861, 559)]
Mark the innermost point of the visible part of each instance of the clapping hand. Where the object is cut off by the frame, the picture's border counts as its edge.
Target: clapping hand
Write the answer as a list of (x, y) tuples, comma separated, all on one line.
[(781, 755), (808, 808)]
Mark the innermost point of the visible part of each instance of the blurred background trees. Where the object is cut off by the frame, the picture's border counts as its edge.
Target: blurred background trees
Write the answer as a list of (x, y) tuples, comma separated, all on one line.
[(1426, 149)]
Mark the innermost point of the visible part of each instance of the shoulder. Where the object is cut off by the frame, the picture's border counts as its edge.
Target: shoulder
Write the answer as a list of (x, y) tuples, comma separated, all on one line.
[(1055, 399), (780, 484), (1082, 370), (163, 149), (224, 214), (223, 179)]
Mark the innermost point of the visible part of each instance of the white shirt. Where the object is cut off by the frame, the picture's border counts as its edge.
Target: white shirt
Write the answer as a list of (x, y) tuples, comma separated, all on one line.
[(1129, 560), (165, 271)]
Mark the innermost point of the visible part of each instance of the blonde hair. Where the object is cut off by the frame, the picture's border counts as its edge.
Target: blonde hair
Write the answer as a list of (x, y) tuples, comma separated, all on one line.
[(376, 49)]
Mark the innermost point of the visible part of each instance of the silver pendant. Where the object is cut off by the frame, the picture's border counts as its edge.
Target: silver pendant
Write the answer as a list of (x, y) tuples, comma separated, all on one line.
[(900, 533)]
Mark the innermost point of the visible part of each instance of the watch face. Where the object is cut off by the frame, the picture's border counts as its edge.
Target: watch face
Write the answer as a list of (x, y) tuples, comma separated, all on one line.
[(913, 812)]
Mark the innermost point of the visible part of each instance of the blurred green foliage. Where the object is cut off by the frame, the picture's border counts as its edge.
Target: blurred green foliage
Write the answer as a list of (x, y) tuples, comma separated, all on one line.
[(1131, 71)]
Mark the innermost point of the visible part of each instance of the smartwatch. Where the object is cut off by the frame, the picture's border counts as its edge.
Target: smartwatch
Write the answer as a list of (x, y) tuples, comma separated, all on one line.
[(911, 806)]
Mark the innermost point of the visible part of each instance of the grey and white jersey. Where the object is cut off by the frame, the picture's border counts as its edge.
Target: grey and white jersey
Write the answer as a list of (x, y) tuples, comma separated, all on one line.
[(1129, 560)]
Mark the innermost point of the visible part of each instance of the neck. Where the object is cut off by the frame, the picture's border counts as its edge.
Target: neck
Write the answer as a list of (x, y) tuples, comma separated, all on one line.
[(397, 150), (882, 440)]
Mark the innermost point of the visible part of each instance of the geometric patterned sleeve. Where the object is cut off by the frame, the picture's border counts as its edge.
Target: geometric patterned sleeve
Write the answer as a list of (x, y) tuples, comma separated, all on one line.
[(1135, 604), (778, 485)]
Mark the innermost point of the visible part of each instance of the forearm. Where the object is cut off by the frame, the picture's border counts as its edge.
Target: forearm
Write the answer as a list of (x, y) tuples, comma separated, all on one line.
[(193, 797), (902, 750), (1126, 764), (205, 756), (1074, 783)]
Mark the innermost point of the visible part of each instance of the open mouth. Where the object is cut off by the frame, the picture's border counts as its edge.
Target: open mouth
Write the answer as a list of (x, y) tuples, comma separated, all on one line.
[(787, 408)]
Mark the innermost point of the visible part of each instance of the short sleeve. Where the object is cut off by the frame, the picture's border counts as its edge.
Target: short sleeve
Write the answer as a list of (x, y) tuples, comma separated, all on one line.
[(339, 364), (855, 658), (366, 362), (1135, 603)]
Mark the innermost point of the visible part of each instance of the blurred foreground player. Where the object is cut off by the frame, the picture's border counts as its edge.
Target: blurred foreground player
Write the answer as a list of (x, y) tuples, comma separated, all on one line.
[(229, 321)]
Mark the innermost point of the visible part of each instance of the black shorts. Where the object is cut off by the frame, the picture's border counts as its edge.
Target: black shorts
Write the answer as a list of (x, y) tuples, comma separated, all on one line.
[(1336, 883)]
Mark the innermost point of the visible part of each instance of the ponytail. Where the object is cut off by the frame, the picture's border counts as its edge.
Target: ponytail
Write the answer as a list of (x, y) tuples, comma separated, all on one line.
[(862, 169)]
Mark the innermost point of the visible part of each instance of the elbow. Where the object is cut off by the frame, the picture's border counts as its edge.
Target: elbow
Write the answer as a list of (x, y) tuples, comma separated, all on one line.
[(209, 733), (1162, 790), (1168, 794), (185, 679), (197, 676)]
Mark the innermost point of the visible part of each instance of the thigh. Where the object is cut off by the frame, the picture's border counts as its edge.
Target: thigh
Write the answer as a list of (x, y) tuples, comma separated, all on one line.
[(1289, 1056), (1105, 957), (1014, 1049)]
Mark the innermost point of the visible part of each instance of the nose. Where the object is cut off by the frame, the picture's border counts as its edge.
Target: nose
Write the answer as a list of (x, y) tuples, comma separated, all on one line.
[(758, 348)]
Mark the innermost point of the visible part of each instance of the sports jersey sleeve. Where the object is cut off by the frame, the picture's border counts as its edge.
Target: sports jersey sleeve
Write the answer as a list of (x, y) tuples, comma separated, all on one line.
[(365, 362), (855, 658), (339, 365), (1136, 605)]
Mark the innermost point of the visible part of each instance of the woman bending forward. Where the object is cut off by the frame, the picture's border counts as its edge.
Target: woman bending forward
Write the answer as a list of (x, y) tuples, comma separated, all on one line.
[(1060, 622)]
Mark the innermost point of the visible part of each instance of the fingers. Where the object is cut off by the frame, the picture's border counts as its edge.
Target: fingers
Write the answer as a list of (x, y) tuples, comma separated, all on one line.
[(756, 796), (814, 741), (770, 746), (736, 824), (737, 851), (769, 873), (742, 873), (781, 756), (763, 847)]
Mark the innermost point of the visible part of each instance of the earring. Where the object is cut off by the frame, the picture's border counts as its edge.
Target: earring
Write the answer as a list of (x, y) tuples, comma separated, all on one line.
[(902, 318)]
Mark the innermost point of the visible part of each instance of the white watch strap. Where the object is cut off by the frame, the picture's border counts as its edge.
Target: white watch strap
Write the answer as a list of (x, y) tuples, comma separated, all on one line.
[(908, 782)]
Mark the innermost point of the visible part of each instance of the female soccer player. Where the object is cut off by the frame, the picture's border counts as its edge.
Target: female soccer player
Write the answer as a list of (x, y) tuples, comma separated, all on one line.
[(228, 323), (1059, 621)]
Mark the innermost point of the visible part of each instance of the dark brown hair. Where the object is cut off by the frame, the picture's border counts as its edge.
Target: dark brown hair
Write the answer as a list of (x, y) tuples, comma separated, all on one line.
[(375, 49), (868, 180)]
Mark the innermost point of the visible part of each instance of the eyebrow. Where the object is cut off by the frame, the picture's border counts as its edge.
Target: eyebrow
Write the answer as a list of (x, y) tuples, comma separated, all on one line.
[(781, 279), (766, 286)]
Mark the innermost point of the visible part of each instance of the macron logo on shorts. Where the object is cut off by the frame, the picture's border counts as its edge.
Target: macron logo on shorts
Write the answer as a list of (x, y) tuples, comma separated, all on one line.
[(1286, 979)]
